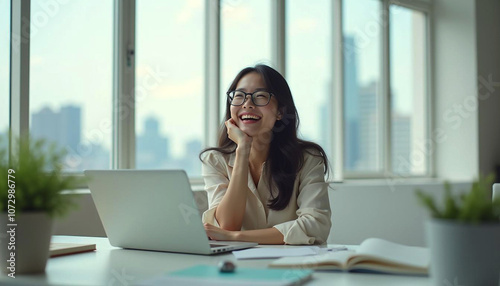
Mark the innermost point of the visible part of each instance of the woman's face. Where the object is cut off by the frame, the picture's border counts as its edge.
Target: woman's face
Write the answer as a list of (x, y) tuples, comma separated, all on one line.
[(252, 119)]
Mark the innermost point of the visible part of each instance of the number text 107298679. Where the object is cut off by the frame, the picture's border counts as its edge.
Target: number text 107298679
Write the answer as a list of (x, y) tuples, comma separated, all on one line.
[(11, 225)]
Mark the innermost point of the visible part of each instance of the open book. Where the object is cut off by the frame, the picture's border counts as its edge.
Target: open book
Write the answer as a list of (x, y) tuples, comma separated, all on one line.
[(372, 255)]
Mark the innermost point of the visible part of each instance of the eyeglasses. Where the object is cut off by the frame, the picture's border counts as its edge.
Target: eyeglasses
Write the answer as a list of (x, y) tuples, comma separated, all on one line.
[(259, 98)]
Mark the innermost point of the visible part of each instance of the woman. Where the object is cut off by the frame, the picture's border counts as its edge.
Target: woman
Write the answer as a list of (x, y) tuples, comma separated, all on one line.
[(263, 183)]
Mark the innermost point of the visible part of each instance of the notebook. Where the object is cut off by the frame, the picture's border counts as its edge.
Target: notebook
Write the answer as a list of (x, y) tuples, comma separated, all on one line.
[(152, 210), (209, 275), (58, 249), (373, 255)]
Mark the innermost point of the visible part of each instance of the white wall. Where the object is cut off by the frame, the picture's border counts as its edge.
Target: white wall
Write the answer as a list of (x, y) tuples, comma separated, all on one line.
[(466, 41), (455, 81), (392, 212), (83, 220)]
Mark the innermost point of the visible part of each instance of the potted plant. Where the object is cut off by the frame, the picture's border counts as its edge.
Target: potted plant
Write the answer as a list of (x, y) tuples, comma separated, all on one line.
[(31, 182), (464, 236)]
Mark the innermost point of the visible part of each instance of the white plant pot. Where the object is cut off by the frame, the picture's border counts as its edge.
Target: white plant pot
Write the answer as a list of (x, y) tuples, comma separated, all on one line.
[(464, 254), (32, 241)]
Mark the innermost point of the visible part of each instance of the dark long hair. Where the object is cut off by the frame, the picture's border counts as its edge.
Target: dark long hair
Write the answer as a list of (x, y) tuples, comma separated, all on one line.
[(283, 163)]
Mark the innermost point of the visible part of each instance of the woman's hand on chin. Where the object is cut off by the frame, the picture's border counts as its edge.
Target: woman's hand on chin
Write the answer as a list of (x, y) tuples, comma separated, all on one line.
[(217, 233), (236, 135)]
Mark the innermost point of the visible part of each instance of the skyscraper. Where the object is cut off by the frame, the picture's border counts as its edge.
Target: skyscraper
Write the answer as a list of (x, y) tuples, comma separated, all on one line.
[(63, 127), (70, 126), (152, 148), (351, 104), (45, 125), (401, 144), (369, 129), (193, 163)]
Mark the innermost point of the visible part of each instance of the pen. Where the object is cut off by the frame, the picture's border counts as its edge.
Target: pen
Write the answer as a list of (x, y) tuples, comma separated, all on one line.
[(337, 248)]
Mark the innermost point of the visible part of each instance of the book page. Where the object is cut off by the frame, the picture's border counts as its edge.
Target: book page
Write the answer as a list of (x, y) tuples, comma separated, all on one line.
[(331, 260), (376, 249), (275, 252)]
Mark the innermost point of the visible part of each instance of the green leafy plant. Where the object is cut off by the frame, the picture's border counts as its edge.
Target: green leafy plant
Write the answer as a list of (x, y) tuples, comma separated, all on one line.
[(474, 206), (36, 175)]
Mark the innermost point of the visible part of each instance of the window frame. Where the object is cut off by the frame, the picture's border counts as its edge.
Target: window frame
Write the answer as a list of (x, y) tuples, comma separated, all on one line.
[(19, 69), (123, 153), (386, 111), (9, 78)]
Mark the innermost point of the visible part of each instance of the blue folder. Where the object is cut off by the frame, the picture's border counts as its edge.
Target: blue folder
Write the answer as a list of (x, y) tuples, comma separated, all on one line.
[(209, 274)]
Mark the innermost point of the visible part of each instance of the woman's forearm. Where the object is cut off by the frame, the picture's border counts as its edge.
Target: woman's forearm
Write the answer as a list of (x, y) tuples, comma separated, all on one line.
[(261, 236), (231, 209)]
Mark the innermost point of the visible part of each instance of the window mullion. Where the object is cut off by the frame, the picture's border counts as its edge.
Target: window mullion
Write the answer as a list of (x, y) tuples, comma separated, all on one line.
[(19, 69), (212, 71), (385, 90), (124, 85), (278, 34), (337, 104), (430, 112)]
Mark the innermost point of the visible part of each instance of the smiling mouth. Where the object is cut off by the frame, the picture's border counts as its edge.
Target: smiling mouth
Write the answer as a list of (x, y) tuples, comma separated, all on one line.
[(250, 118)]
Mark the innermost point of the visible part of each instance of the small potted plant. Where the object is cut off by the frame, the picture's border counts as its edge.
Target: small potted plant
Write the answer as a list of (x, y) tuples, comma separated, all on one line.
[(464, 236), (31, 182)]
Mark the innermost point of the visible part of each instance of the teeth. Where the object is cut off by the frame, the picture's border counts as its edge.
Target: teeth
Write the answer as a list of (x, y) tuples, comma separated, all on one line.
[(250, 117)]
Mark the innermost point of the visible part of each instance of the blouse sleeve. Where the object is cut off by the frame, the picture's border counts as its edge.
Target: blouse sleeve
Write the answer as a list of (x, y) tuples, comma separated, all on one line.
[(216, 183), (314, 215)]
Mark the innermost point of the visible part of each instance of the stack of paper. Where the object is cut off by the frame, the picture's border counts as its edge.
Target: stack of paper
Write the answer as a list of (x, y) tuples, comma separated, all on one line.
[(275, 252)]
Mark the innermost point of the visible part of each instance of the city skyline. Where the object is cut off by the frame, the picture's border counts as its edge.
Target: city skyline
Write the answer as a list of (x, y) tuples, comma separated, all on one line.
[(63, 127), (153, 148)]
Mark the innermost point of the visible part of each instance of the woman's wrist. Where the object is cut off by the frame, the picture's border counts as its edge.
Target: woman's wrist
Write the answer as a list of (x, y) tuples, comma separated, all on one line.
[(243, 149), (236, 235)]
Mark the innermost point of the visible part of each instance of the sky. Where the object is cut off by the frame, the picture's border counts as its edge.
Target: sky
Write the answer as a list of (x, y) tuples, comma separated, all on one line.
[(71, 58)]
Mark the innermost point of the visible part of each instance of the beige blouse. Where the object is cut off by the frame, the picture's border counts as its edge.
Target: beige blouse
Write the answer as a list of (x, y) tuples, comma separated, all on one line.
[(306, 219)]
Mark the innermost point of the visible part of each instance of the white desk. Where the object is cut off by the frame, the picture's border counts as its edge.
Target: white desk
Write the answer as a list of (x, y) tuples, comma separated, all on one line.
[(114, 266)]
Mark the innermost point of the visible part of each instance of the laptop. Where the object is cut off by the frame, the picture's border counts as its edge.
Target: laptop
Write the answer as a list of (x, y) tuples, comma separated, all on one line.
[(152, 210)]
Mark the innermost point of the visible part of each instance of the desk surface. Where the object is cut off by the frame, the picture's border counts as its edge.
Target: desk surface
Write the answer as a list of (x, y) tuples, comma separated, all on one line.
[(110, 266)]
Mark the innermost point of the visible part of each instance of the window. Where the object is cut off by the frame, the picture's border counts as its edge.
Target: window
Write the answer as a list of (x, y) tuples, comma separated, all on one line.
[(71, 79), (362, 78), (308, 67), (245, 39), (169, 105), (384, 77), (408, 91), (4, 66)]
